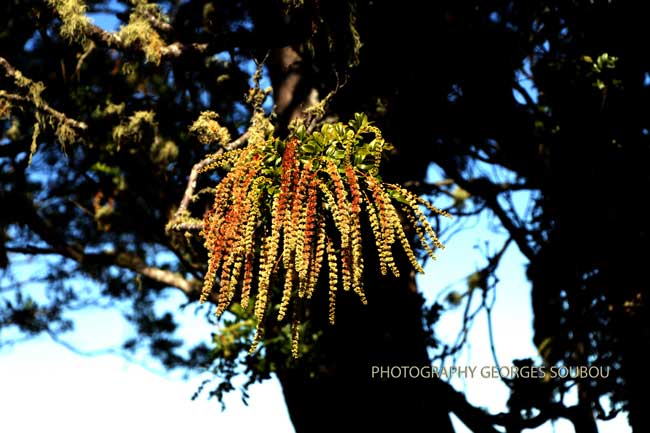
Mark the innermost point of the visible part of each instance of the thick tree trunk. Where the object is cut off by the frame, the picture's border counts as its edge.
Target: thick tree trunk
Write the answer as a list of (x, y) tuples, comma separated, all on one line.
[(341, 394), (636, 377)]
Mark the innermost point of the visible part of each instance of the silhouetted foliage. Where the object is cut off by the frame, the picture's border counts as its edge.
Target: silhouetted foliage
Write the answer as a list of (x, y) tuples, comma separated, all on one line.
[(97, 146)]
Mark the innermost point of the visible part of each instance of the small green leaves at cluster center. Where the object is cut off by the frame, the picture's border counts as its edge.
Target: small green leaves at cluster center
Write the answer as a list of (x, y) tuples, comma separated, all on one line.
[(287, 210), (359, 144)]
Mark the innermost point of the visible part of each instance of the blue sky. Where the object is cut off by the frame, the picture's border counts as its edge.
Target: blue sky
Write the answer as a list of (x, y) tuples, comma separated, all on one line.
[(47, 388)]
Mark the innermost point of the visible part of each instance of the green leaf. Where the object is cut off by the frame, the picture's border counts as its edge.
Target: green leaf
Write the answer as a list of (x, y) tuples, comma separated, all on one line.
[(301, 133), (339, 154), (308, 148)]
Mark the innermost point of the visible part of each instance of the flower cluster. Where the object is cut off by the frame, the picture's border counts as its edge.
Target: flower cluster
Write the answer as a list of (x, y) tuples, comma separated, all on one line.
[(288, 208)]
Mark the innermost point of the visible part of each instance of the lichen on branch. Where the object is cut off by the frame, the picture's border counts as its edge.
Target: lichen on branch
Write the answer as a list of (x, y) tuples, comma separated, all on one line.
[(208, 130), (74, 22), (28, 95), (140, 33)]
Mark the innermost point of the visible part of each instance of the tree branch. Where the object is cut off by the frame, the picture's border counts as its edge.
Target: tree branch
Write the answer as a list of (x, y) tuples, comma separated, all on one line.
[(121, 259), (58, 245), (10, 71), (157, 22), (488, 191), (23, 82), (102, 352), (477, 420), (518, 234), (32, 250), (515, 423), (288, 61), (45, 108), (439, 185), (480, 421), (172, 50), (180, 220), (138, 265)]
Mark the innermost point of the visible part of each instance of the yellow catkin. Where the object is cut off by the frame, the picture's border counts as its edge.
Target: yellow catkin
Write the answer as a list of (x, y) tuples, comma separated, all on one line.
[(259, 335), (387, 228), (346, 268), (222, 300), (295, 336), (420, 235), (428, 205), (377, 155), (414, 201), (254, 216), (341, 222), (286, 293), (334, 210), (341, 193), (213, 243), (306, 247), (305, 284), (294, 232), (398, 229), (380, 201), (263, 279), (406, 246), (355, 234), (268, 256), (333, 279), (221, 160), (427, 227), (341, 208), (225, 292), (248, 240), (318, 259), (377, 233), (232, 282), (208, 279), (248, 280)]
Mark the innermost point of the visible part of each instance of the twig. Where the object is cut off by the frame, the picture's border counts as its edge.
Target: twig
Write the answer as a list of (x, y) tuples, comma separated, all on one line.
[(171, 51), (474, 418), (179, 221), (42, 106), (10, 71), (123, 260), (169, 278), (102, 352), (488, 191), (491, 269), (480, 421), (21, 81), (157, 22)]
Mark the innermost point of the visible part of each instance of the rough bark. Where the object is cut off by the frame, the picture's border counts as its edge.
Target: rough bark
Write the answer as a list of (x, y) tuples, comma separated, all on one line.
[(342, 395)]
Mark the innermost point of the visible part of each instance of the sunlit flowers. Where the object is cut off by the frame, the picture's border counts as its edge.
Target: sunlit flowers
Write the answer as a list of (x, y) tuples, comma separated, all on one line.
[(288, 211)]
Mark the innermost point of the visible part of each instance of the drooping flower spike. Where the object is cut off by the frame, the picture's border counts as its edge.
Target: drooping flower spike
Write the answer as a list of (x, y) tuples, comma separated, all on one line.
[(272, 211)]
